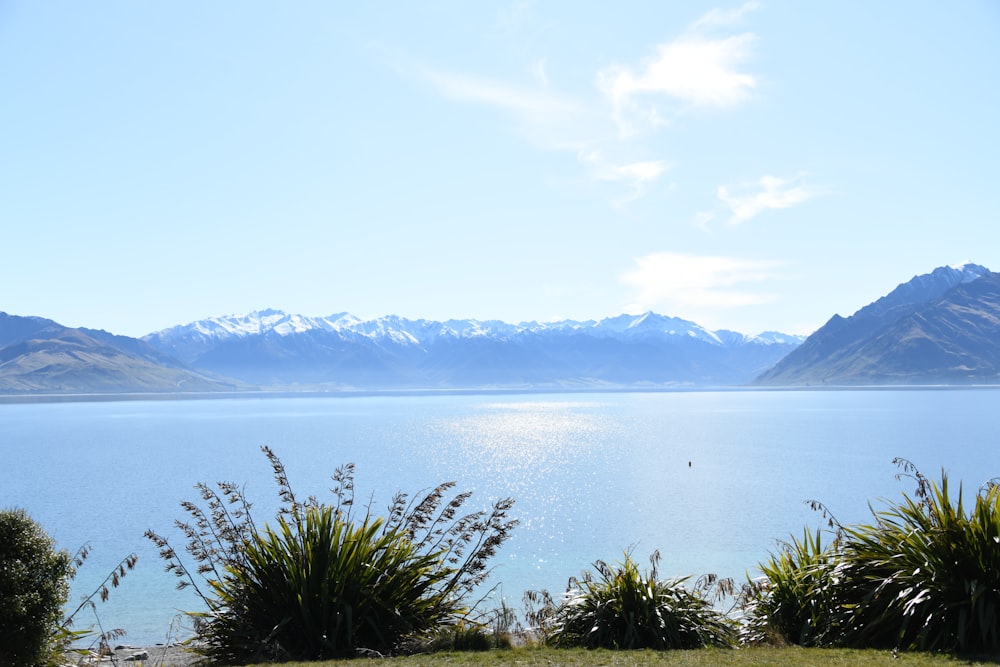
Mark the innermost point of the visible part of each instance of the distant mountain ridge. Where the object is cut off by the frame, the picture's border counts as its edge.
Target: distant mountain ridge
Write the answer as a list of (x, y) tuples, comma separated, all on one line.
[(38, 355), (416, 331), (273, 350), (271, 347), (940, 327)]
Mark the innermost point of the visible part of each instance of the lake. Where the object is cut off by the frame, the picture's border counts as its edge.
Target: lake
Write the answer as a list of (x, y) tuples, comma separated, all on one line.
[(712, 479)]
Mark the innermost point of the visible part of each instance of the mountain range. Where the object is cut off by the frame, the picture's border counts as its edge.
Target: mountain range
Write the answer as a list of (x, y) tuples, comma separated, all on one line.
[(938, 328), (274, 349)]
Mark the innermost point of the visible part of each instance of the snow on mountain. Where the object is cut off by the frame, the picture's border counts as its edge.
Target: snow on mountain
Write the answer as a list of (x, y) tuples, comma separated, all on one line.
[(404, 331), (776, 338), (649, 323), (274, 348), (256, 323), (969, 270), (392, 328)]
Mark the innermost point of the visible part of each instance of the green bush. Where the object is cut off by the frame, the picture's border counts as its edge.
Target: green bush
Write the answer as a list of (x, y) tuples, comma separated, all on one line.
[(34, 586), (323, 583), (317, 586), (624, 608), (793, 602), (924, 575)]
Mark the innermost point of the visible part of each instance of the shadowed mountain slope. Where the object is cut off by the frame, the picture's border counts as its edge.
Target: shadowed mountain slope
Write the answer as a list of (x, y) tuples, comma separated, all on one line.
[(938, 328)]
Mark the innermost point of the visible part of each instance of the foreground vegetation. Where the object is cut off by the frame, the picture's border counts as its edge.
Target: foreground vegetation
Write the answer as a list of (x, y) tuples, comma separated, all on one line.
[(35, 576), (623, 607), (326, 581), (924, 575), (34, 586)]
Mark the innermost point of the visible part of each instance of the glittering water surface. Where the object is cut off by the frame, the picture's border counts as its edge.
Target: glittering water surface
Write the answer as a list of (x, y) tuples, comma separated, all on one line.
[(711, 479)]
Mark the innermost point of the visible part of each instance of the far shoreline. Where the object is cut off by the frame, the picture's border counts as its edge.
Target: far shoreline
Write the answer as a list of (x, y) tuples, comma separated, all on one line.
[(109, 397)]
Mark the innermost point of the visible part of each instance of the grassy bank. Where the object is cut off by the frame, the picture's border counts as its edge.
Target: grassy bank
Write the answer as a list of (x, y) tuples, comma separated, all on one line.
[(755, 657)]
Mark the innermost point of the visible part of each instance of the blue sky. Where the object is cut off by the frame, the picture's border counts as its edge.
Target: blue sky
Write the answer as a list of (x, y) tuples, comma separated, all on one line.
[(756, 166)]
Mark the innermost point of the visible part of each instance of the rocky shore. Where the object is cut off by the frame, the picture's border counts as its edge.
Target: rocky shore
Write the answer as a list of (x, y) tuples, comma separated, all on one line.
[(160, 655)]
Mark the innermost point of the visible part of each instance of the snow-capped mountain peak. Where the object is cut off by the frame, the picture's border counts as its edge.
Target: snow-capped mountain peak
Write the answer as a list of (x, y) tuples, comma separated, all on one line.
[(260, 322), (650, 323), (400, 330), (969, 270), (273, 347)]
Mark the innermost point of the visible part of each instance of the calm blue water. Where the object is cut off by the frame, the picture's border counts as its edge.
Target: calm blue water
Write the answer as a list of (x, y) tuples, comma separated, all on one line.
[(593, 474)]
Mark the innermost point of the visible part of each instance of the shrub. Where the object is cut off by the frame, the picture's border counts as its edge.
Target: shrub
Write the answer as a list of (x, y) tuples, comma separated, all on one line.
[(34, 586), (925, 575), (624, 608), (324, 583), (793, 602)]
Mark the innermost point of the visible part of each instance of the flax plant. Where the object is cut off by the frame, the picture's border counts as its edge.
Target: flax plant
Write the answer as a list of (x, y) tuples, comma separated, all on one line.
[(623, 607), (793, 602), (926, 574), (325, 582), (100, 638), (923, 575)]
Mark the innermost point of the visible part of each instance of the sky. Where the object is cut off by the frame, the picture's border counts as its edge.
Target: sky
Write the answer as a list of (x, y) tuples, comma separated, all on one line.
[(748, 166)]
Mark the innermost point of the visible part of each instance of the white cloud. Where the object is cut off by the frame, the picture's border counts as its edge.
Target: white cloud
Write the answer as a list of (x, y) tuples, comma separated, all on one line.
[(747, 200), (638, 175), (689, 285), (694, 69), (641, 172), (724, 17)]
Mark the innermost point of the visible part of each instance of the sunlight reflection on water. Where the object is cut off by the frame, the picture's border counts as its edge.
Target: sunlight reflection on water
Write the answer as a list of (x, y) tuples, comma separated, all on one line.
[(712, 479)]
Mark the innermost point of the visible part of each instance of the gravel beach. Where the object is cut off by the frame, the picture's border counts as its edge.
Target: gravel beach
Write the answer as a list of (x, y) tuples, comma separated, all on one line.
[(147, 656)]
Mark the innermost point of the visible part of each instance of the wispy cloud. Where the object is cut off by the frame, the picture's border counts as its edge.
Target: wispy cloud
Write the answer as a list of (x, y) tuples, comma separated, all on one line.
[(694, 70), (540, 74), (723, 17), (696, 284), (638, 175), (556, 121), (546, 118), (533, 103), (747, 200)]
